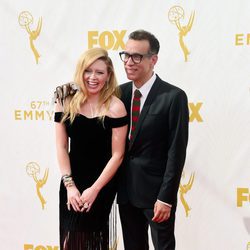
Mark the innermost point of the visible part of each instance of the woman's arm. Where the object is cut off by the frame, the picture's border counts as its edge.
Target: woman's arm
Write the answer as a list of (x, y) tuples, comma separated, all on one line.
[(62, 142), (62, 145)]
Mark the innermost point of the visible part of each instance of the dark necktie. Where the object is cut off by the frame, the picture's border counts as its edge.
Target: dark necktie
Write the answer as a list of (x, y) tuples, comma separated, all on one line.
[(135, 111)]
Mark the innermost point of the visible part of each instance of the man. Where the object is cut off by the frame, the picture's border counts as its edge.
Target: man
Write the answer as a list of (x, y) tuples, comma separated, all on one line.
[(156, 148)]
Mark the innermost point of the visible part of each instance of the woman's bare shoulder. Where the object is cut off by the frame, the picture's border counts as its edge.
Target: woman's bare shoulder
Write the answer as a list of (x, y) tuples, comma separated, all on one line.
[(117, 108)]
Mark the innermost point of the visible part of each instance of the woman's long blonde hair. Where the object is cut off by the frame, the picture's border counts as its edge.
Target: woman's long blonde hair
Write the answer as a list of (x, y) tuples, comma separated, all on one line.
[(72, 104)]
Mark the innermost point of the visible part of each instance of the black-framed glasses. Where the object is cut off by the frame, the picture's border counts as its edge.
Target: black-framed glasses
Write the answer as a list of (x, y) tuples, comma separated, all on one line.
[(136, 57)]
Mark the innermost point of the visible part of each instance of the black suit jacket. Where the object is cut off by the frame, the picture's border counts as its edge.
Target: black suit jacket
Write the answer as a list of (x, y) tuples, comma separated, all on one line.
[(155, 157)]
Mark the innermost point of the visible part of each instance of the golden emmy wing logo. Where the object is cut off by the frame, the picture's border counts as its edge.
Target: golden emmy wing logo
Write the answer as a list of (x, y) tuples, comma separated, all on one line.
[(33, 169), (174, 15), (25, 19), (183, 189)]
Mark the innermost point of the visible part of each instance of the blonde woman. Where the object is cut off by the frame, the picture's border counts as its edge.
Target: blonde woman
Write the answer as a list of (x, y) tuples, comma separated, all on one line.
[(91, 128)]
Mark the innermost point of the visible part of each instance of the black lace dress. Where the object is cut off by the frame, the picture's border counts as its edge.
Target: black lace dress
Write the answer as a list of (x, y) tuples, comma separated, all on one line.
[(90, 150)]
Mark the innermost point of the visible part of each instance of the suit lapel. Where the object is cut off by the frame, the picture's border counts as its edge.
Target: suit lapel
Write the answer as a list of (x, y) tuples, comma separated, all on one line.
[(126, 99), (127, 95)]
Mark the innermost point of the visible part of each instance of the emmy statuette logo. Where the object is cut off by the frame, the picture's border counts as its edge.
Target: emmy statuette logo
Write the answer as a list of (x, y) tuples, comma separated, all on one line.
[(25, 19), (33, 169), (174, 15), (183, 189)]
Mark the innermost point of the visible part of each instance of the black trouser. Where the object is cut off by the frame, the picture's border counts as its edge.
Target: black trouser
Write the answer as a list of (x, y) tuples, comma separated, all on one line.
[(135, 222)]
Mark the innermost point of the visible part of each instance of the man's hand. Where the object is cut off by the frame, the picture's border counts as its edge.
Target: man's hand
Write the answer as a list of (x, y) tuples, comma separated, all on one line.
[(161, 212), (64, 91)]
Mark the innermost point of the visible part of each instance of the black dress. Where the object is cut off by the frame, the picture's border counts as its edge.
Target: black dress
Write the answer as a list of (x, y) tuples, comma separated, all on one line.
[(90, 150)]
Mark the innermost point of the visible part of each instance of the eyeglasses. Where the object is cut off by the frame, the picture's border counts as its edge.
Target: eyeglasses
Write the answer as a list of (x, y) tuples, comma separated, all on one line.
[(136, 58)]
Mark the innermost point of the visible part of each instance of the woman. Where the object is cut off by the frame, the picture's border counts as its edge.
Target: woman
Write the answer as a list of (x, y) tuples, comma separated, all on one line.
[(95, 121)]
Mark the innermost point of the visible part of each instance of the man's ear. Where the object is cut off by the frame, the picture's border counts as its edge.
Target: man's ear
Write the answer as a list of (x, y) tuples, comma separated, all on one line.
[(154, 59)]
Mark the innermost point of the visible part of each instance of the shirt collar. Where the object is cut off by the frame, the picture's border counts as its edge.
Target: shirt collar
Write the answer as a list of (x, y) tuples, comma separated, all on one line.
[(145, 88)]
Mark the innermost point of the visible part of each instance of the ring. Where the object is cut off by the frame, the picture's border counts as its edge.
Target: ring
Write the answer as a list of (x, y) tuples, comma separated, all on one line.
[(85, 205)]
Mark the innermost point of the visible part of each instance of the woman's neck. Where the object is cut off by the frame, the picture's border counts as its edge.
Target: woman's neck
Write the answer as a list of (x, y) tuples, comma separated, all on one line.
[(93, 99), (93, 105)]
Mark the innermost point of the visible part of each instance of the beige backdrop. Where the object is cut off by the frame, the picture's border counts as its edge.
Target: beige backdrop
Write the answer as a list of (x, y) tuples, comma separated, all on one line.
[(205, 50)]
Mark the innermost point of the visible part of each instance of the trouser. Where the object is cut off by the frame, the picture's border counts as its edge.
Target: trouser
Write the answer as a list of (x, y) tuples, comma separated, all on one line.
[(135, 222)]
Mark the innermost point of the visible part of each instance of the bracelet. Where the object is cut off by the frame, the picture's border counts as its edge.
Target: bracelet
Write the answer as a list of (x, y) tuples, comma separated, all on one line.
[(69, 183), (65, 176), (68, 180)]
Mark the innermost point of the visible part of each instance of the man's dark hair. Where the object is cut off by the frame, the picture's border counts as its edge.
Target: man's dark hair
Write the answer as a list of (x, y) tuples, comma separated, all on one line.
[(145, 35)]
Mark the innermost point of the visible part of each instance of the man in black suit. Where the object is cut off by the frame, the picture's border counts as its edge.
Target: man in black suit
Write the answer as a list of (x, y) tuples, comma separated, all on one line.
[(156, 149)]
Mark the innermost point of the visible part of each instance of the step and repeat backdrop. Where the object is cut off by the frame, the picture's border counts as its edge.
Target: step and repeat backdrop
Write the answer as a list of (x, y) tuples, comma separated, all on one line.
[(205, 50)]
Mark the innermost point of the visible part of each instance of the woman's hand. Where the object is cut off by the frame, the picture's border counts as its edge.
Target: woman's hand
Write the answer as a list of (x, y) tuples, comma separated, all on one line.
[(74, 198), (88, 197)]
